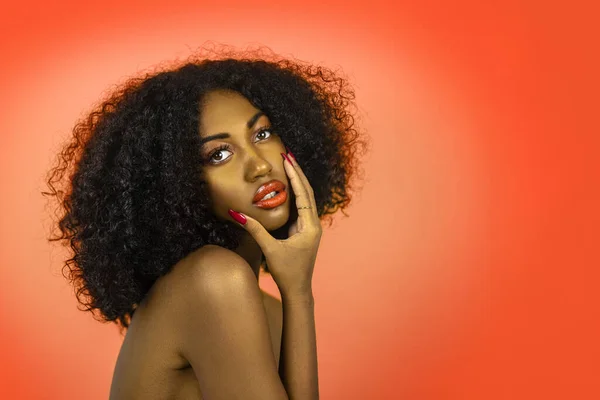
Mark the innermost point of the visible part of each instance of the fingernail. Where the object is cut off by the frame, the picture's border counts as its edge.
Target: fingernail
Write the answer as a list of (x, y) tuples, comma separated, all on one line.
[(286, 158), (237, 216), (291, 154)]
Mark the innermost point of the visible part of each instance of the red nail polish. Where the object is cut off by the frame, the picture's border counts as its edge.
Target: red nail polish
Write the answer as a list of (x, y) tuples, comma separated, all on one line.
[(238, 217), (291, 154), (286, 157)]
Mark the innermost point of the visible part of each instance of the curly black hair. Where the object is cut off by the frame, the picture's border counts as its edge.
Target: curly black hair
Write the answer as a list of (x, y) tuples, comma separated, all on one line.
[(129, 199)]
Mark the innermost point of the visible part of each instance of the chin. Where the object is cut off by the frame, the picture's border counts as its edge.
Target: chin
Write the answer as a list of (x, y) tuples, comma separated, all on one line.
[(272, 219)]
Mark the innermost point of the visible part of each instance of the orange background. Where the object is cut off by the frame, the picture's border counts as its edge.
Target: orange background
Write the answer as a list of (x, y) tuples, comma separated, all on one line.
[(468, 268)]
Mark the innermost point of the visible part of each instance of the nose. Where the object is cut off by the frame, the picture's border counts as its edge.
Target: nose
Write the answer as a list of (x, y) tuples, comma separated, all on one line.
[(257, 166)]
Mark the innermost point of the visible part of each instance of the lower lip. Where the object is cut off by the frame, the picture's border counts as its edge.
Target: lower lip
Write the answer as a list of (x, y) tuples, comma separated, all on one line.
[(273, 202)]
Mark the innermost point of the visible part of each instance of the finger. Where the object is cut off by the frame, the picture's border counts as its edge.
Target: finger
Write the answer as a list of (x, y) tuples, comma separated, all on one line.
[(256, 230), (303, 197), (299, 169), (305, 182)]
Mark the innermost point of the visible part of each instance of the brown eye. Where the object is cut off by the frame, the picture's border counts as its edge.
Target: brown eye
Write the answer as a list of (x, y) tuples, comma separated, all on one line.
[(263, 132), (216, 156)]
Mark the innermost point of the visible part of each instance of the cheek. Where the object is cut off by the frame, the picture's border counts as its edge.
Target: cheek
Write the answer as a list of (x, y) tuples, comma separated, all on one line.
[(223, 194)]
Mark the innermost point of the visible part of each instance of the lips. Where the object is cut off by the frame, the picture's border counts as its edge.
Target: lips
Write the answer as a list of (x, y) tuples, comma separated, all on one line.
[(267, 188)]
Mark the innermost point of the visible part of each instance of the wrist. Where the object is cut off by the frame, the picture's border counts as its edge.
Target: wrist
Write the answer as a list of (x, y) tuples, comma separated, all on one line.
[(298, 297)]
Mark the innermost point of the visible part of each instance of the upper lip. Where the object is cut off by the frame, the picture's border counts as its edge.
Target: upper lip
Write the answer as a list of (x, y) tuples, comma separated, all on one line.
[(265, 189)]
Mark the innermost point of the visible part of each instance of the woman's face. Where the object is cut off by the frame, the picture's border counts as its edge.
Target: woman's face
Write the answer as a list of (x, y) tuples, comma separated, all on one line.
[(243, 156)]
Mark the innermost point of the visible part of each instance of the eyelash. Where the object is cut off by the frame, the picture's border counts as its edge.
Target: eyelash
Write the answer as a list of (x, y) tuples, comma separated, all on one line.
[(228, 146)]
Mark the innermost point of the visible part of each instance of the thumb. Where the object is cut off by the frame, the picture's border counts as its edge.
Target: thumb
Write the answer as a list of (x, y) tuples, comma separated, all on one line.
[(255, 228)]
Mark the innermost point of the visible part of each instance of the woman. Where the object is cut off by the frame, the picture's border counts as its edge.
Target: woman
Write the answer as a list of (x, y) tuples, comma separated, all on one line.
[(181, 189)]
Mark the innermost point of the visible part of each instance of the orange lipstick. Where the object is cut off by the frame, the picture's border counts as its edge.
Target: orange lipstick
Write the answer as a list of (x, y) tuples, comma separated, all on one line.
[(274, 191)]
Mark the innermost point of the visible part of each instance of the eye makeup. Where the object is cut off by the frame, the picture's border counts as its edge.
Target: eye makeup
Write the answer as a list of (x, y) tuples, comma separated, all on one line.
[(227, 147)]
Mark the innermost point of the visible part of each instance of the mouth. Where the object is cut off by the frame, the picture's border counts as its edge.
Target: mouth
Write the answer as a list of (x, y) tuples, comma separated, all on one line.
[(270, 195)]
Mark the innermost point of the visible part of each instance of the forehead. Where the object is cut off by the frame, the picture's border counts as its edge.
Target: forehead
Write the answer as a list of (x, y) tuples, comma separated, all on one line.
[(222, 111)]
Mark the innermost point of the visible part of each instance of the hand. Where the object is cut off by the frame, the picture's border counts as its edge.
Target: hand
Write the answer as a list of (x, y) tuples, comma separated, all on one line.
[(291, 261)]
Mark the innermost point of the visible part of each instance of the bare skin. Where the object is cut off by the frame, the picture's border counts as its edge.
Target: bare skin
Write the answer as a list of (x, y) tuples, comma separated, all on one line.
[(150, 364), (206, 327)]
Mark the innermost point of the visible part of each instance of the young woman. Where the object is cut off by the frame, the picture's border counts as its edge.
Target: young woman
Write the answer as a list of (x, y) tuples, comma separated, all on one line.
[(176, 190)]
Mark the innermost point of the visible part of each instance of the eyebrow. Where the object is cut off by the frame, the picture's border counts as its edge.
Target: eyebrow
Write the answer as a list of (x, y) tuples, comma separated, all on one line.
[(225, 135)]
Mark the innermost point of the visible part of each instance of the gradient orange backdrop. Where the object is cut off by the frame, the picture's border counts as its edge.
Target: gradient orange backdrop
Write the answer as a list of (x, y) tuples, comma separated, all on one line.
[(468, 268)]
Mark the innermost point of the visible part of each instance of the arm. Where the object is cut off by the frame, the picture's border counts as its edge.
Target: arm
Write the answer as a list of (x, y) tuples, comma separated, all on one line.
[(291, 263), (225, 331), (298, 356)]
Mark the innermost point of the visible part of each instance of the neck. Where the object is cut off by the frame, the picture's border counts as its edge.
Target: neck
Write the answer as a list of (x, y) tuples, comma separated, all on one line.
[(251, 252)]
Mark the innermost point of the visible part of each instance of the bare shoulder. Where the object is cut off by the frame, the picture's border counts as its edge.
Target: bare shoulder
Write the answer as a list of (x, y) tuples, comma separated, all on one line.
[(208, 274), (214, 279), (225, 331), (208, 313), (209, 261), (213, 264)]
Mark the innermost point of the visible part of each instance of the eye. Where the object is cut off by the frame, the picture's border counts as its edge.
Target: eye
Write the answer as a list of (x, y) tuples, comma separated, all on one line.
[(264, 131), (216, 156)]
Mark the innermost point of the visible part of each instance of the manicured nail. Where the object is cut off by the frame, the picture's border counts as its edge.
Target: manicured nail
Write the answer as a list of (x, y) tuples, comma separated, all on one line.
[(286, 158), (290, 153), (237, 216)]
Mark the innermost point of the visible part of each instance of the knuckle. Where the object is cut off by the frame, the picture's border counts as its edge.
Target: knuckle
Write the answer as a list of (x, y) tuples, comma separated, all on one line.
[(315, 230)]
